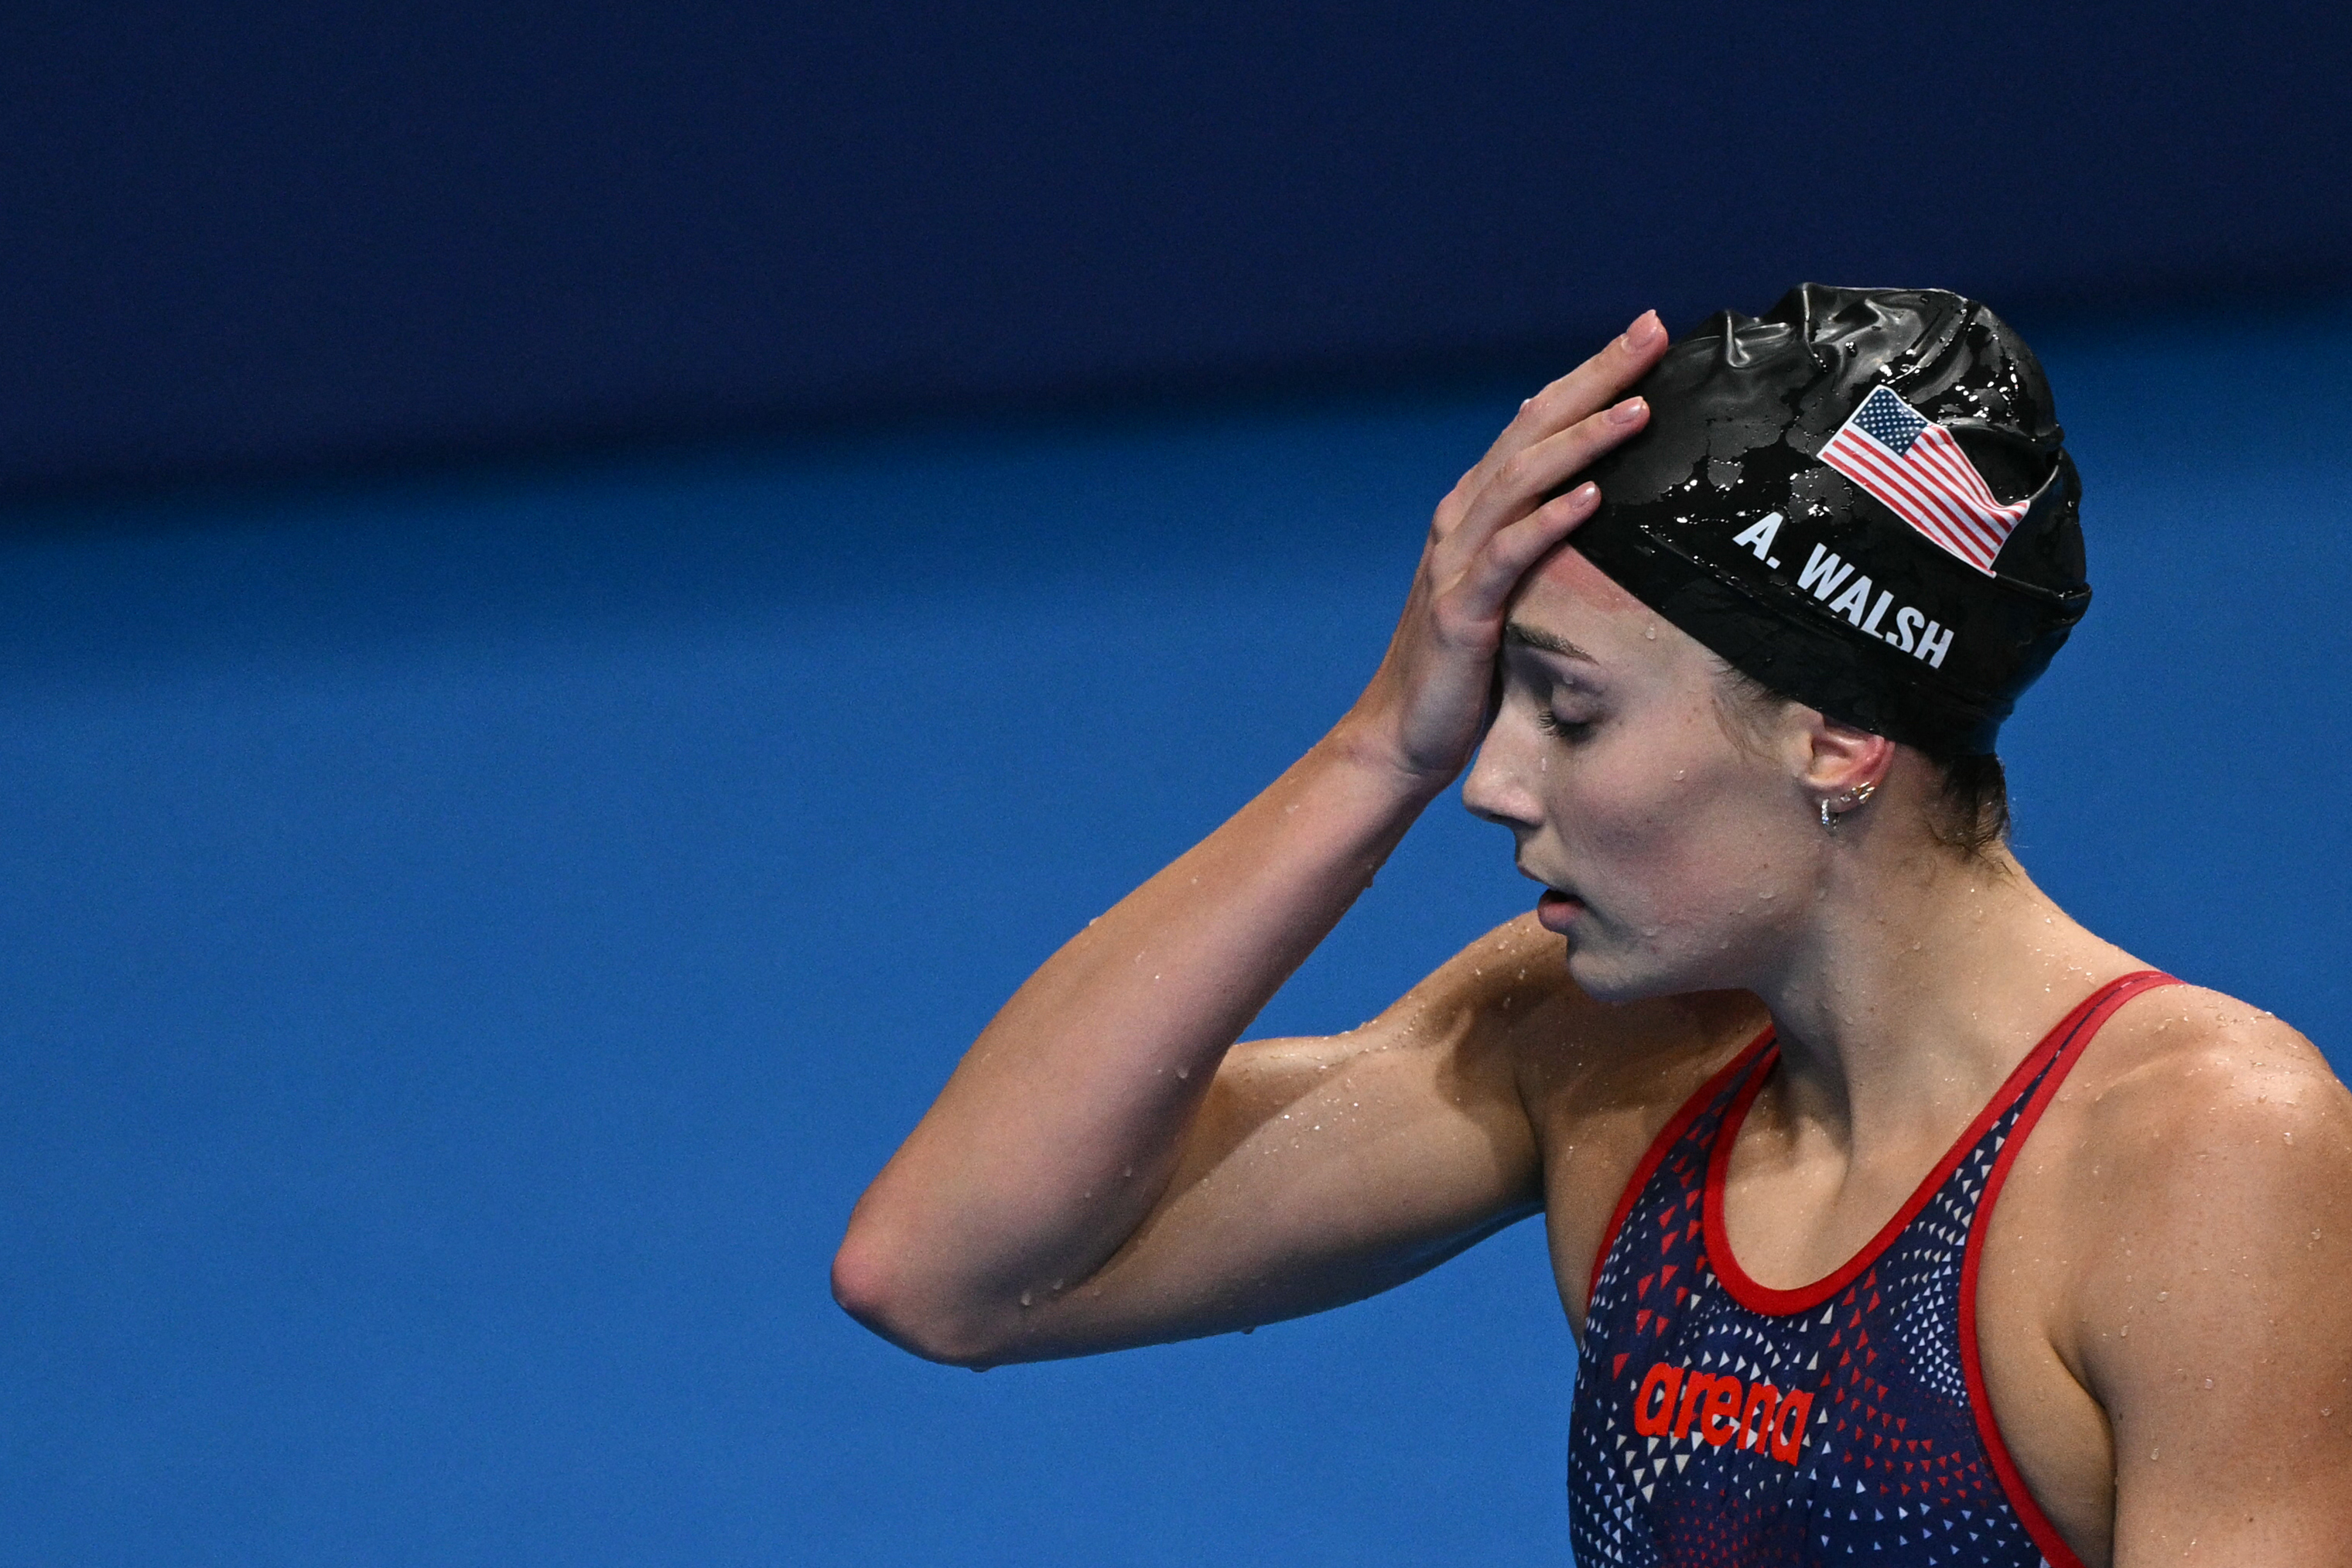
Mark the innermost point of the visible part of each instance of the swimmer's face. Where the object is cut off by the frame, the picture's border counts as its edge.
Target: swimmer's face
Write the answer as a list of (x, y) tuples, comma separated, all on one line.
[(1679, 858)]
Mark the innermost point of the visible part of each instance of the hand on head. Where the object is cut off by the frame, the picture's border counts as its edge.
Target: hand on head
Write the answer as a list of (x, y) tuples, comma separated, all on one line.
[(1427, 704)]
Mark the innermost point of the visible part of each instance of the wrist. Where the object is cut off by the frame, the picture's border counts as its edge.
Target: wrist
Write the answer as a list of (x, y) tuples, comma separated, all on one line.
[(1362, 745)]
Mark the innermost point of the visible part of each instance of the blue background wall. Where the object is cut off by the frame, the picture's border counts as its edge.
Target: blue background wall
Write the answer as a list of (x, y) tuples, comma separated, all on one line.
[(469, 929), (467, 940), (240, 237)]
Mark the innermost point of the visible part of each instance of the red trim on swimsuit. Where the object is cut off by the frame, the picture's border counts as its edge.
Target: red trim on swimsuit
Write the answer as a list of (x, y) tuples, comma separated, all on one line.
[(1666, 1139), (1758, 1297), (2080, 1028)]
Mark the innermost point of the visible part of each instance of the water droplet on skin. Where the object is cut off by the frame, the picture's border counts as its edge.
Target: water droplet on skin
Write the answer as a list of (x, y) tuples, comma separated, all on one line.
[(1024, 1298), (2209, 1383), (1183, 1072), (2163, 1295)]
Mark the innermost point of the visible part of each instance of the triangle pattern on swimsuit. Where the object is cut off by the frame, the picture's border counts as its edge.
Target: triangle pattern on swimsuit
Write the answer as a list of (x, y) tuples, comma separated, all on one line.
[(1720, 1421)]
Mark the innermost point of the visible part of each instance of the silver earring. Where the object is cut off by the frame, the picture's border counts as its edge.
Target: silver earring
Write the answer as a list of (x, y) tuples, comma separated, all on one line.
[(1851, 799)]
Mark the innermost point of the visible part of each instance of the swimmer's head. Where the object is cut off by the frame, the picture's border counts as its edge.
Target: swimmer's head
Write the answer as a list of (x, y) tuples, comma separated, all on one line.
[(1676, 812), (1842, 546), (1860, 501)]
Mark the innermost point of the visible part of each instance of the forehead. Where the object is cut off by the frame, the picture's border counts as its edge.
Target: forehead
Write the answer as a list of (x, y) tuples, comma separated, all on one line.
[(1567, 597), (1570, 597)]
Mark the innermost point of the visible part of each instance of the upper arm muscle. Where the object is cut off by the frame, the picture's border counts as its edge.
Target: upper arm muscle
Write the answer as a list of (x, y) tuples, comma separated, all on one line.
[(2216, 1328), (1322, 1170)]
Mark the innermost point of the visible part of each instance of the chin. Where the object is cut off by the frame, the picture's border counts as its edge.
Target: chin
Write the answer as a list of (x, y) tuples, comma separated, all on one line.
[(1610, 973)]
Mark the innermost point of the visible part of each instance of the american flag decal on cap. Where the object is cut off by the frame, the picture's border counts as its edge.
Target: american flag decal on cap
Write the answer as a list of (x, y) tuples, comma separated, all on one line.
[(1913, 464)]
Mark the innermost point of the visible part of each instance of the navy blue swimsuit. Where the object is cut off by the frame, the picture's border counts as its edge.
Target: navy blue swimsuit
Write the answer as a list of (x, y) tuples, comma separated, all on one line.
[(1720, 1421)]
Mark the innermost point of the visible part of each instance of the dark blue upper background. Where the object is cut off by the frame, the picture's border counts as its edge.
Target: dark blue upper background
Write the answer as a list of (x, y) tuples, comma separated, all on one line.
[(467, 938), (243, 237)]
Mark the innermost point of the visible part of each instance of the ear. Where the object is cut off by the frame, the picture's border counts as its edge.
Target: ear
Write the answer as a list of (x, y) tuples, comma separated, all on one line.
[(1838, 759)]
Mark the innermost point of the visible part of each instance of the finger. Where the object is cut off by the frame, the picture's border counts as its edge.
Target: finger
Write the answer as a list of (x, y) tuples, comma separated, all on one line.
[(1496, 570), (1587, 389), (1574, 396), (1538, 470), (1551, 462)]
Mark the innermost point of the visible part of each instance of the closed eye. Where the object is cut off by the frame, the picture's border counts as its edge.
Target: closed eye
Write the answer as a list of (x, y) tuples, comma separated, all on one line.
[(1551, 723)]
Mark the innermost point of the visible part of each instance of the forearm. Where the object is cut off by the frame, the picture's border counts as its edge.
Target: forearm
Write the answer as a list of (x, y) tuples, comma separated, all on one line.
[(1061, 1128)]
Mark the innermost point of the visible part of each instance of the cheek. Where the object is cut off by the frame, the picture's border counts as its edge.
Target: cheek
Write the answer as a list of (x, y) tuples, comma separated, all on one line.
[(1683, 839)]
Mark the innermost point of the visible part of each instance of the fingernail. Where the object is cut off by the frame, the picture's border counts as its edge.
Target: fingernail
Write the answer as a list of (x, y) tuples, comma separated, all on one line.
[(1646, 330), (1586, 494), (1626, 413)]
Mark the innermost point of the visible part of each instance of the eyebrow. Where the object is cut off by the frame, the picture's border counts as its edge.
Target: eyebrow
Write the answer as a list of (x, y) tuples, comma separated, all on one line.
[(1520, 632)]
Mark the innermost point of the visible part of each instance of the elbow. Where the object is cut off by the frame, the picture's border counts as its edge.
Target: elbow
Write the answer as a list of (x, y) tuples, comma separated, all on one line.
[(873, 1282)]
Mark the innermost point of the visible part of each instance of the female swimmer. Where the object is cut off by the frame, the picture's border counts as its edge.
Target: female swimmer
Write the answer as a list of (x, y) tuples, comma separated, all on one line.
[(1895, 1212)]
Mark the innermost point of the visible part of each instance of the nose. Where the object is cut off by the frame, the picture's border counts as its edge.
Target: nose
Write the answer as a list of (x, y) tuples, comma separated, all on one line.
[(1498, 790)]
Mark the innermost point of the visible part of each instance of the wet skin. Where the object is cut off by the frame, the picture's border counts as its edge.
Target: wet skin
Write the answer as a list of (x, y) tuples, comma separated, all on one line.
[(1698, 866), (1107, 1167)]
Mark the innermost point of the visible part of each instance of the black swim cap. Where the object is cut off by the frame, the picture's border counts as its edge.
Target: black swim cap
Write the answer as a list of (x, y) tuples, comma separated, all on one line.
[(1861, 500)]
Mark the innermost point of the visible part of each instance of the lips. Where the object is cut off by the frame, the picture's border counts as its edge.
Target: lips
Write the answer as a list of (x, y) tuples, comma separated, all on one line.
[(1556, 910)]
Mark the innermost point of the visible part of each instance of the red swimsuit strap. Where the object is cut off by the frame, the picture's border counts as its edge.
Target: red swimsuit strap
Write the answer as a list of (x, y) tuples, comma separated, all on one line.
[(2077, 1032), (1668, 1136), (2074, 1030), (1759, 1053)]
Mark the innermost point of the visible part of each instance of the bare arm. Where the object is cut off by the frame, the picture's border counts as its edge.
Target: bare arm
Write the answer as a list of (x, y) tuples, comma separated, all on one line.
[(1097, 1171), (1319, 1171), (2216, 1327)]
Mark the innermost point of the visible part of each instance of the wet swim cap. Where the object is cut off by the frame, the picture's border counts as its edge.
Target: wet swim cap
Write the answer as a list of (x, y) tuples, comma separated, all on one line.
[(1860, 500)]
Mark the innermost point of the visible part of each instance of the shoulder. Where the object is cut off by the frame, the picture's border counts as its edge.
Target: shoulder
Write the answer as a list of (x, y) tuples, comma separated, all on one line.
[(2205, 1150), (2184, 1077), (1592, 1077), (1596, 1082), (1507, 996), (2199, 1242)]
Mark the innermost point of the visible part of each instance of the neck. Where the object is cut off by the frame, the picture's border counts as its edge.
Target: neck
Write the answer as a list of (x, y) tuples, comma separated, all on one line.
[(1922, 981)]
